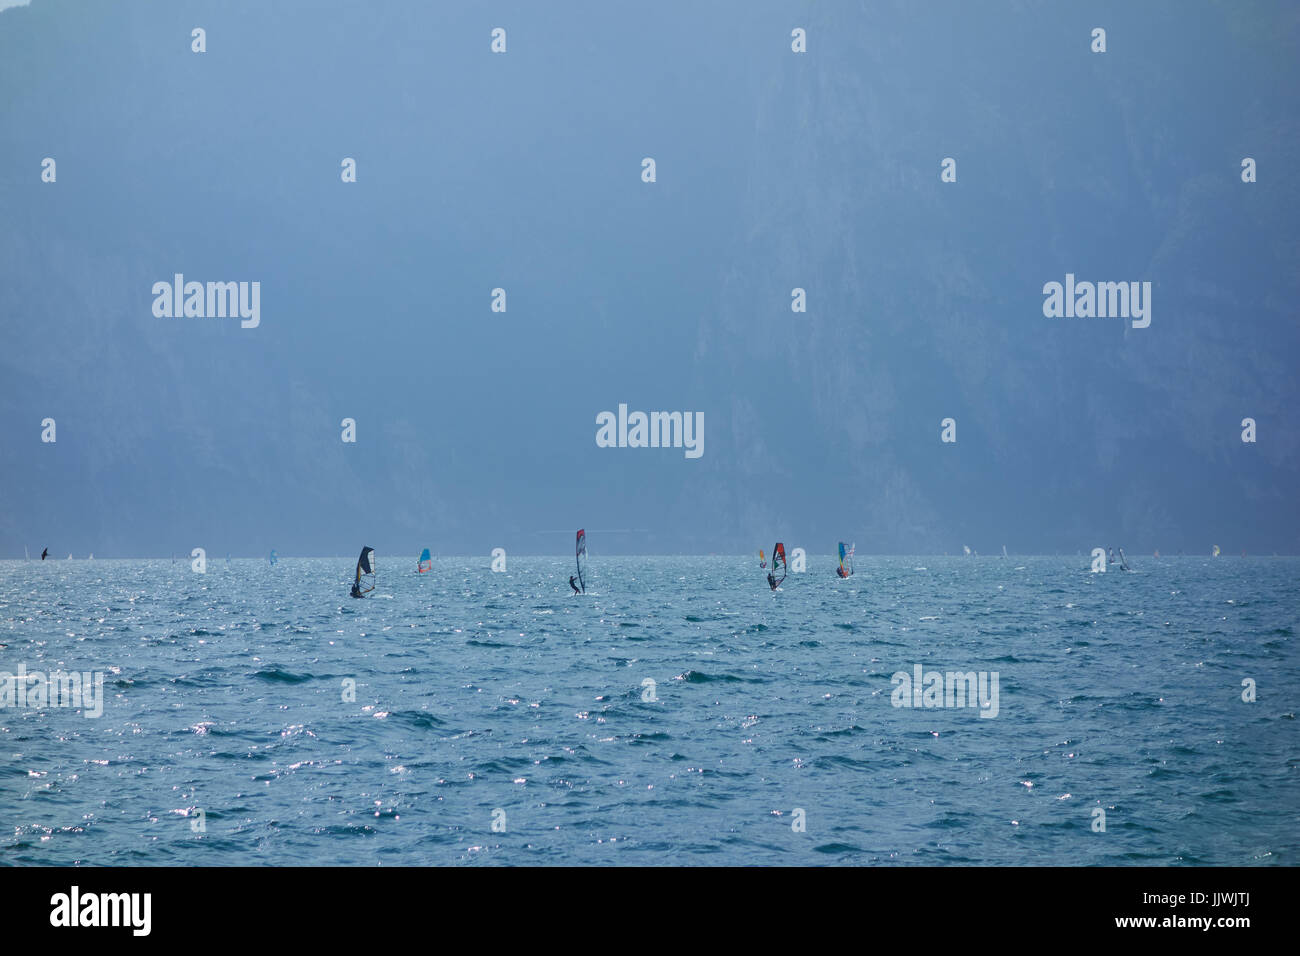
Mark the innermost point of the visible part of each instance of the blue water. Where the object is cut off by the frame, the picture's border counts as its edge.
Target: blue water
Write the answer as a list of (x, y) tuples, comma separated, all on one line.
[(479, 692)]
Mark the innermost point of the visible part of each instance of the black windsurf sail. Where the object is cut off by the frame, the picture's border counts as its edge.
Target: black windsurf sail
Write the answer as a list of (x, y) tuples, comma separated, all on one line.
[(365, 579), (777, 574), (580, 556)]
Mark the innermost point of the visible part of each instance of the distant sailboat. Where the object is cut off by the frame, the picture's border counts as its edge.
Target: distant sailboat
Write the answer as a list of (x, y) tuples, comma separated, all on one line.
[(580, 558), (1216, 551), (425, 563), (846, 560), (762, 559), (365, 579), (26, 554), (966, 548), (778, 564), (1004, 551), (272, 557)]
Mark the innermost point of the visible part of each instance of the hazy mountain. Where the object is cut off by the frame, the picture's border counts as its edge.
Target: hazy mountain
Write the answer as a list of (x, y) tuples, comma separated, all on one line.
[(522, 170)]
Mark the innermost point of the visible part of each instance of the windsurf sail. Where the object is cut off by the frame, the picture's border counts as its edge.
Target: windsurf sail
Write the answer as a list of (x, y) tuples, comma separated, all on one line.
[(846, 559), (1216, 551), (778, 566), (425, 563), (1123, 561), (273, 557), (762, 559), (365, 581), (580, 556)]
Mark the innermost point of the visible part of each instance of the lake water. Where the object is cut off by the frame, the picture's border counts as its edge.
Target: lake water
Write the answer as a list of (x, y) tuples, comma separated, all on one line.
[(496, 719)]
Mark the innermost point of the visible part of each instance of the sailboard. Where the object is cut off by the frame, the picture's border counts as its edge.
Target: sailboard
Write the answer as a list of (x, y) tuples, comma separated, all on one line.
[(1216, 551), (778, 564), (762, 559), (580, 556), (365, 579), (846, 560), (1123, 561), (425, 563)]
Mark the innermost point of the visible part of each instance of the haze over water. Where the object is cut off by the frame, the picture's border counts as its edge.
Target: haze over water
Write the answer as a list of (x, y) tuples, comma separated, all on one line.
[(480, 691)]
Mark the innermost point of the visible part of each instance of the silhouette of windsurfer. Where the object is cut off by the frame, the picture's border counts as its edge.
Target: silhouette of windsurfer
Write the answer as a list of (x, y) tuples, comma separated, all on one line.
[(771, 580), (356, 591), (45, 553), (573, 585)]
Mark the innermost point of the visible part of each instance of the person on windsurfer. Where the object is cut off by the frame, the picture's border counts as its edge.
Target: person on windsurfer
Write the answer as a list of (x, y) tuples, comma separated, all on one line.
[(841, 572), (356, 591), (771, 580), (573, 584)]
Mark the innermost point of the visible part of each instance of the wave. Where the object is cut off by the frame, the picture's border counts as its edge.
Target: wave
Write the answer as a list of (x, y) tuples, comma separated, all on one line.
[(276, 675)]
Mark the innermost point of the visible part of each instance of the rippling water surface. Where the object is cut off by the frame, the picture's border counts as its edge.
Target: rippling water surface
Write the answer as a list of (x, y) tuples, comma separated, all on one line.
[(487, 697)]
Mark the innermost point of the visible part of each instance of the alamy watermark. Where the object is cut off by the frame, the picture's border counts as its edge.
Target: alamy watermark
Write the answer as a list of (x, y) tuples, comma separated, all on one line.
[(924, 688), (38, 690), (215, 300), (75, 908), (653, 430), (1104, 300)]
